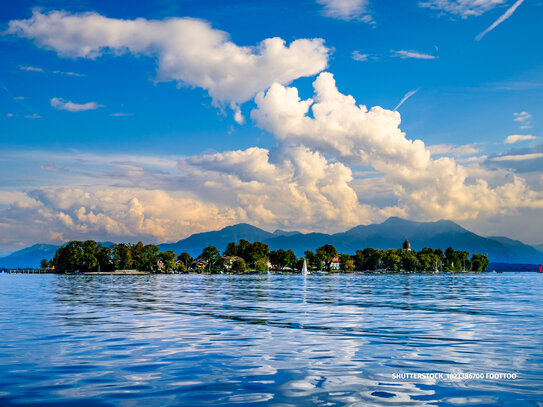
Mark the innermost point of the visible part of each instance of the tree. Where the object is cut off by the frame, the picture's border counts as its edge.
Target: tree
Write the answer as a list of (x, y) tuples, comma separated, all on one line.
[(186, 259), (283, 258), (410, 262), (138, 260), (168, 260), (150, 257), (261, 265), (346, 263), (69, 258), (103, 256), (372, 258), (122, 257), (428, 259), (392, 260), (479, 262), (231, 250), (257, 251), (79, 256), (243, 249), (358, 259), (313, 261), (326, 253), (440, 256), (44, 263), (211, 255), (239, 266)]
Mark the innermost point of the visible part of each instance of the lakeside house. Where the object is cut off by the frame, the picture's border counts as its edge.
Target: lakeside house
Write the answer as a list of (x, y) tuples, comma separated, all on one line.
[(335, 264)]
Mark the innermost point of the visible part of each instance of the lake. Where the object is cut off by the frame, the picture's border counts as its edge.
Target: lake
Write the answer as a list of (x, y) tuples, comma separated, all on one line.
[(281, 340)]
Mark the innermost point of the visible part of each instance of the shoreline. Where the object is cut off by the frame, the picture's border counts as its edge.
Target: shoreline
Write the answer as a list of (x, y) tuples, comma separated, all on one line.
[(144, 273)]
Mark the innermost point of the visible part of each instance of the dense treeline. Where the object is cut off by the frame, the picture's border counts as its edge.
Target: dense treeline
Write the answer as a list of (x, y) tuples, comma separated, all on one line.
[(245, 256)]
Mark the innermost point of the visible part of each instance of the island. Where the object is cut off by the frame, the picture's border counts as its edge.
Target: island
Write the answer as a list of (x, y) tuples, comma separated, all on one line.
[(244, 257)]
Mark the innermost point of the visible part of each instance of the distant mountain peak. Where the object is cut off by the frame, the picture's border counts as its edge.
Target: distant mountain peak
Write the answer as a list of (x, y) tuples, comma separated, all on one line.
[(279, 232)]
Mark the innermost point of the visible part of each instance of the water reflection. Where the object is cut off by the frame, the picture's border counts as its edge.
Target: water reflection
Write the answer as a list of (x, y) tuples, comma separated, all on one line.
[(270, 340)]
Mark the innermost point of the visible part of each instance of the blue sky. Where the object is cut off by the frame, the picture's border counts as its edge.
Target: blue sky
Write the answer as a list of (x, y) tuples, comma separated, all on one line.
[(123, 125)]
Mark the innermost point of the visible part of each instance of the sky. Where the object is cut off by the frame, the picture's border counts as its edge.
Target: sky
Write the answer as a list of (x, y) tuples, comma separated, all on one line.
[(126, 121)]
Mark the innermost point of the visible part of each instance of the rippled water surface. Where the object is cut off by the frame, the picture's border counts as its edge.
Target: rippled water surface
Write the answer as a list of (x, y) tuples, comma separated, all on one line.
[(269, 340)]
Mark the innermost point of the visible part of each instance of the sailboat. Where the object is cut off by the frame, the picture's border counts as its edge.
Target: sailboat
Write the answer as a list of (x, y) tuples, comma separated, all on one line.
[(304, 269)]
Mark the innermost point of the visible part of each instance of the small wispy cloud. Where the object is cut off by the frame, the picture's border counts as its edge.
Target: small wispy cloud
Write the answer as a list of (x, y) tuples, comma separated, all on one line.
[(9, 115), (463, 8), (18, 98), (404, 54), (518, 157), (500, 20), (61, 104), (33, 116), (52, 167), (357, 56), (121, 114), (515, 138), (454, 150), (68, 73), (405, 97), (346, 9), (522, 117), (30, 68), (41, 70)]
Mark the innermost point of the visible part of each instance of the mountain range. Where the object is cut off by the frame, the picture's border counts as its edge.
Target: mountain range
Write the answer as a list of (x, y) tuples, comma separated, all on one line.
[(389, 234)]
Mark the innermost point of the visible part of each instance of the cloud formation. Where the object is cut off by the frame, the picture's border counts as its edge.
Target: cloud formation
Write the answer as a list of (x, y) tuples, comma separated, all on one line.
[(108, 213), (346, 9), (405, 97), (515, 138), (357, 56), (188, 50), (463, 8), (61, 104), (405, 54), (500, 20), (354, 135)]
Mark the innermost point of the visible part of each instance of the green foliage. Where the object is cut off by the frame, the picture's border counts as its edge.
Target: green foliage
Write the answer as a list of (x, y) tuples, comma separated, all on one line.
[(326, 253), (250, 252), (358, 260), (283, 258), (410, 261), (81, 256), (392, 259), (261, 265), (122, 257), (346, 263), (168, 260), (372, 259), (313, 261), (92, 256), (185, 259), (231, 250), (479, 262), (212, 256), (239, 266)]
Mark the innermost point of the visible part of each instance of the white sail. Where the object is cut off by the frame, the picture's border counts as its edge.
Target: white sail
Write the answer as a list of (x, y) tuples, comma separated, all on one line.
[(304, 268)]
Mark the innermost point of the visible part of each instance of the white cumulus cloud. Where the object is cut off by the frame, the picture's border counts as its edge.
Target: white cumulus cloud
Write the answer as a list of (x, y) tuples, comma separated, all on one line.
[(338, 127), (188, 50)]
